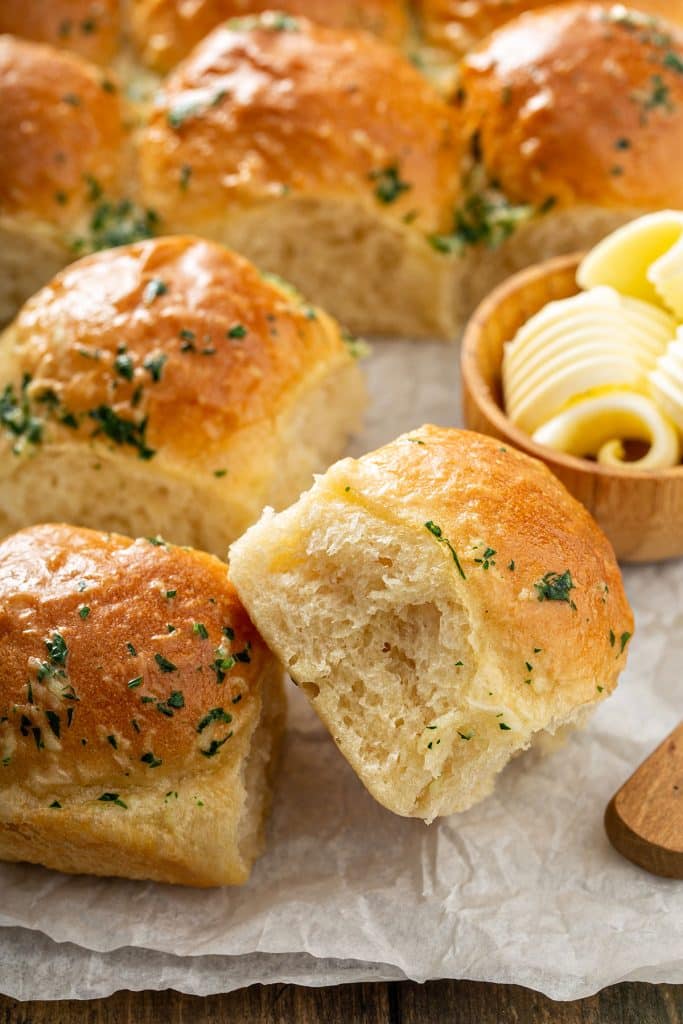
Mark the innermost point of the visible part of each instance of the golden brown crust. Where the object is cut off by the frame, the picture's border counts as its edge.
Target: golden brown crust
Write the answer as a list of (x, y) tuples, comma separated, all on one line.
[(96, 688), (481, 496), (458, 26), (61, 121), (582, 103), (165, 31), (179, 338), (260, 112), (88, 27)]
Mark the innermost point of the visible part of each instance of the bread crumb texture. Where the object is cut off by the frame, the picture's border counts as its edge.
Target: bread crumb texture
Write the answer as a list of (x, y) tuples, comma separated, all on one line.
[(443, 602)]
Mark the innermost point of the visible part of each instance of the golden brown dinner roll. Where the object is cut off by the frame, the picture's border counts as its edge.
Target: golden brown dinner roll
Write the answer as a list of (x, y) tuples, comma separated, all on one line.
[(168, 387), (443, 602), (165, 31), (62, 132), (321, 154), (89, 27), (140, 711), (575, 110), (457, 26)]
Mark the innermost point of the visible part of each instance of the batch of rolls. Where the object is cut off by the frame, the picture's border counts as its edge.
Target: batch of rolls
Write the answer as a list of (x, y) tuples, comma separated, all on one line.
[(443, 602)]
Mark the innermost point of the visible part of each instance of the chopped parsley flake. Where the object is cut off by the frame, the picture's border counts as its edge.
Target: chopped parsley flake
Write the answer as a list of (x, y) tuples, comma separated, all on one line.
[(215, 746), (84, 611), (121, 431), (437, 532), (57, 649), (155, 365), (236, 331), (388, 184), (134, 683), (486, 559), (504, 727), (555, 586), (111, 740), (164, 664), (214, 715), (54, 722), (112, 798), (484, 218), (623, 640), (124, 366), (200, 629), (16, 416), (151, 760), (114, 224)]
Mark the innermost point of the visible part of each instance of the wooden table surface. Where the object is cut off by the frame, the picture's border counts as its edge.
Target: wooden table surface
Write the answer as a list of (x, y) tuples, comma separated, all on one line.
[(437, 1002)]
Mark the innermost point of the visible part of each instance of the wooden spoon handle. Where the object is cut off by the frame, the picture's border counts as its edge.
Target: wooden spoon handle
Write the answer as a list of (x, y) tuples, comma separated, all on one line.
[(644, 819)]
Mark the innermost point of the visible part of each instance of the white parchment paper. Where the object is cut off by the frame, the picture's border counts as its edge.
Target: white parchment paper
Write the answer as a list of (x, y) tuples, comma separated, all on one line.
[(523, 888)]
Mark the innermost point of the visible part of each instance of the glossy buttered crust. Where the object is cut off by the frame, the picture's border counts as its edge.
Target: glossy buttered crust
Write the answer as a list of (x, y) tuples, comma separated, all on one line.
[(481, 494), (177, 336), (165, 31), (131, 673), (89, 27), (258, 111), (459, 26), (61, 126), (579, 103)]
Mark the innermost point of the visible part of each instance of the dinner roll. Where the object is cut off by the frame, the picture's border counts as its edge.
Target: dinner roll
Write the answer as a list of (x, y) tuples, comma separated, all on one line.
[(321, 154), (140, 711), (168, 387), (62, 133), (457, 27), (443, 602), (165, 31), (575, 113), (88, 27)]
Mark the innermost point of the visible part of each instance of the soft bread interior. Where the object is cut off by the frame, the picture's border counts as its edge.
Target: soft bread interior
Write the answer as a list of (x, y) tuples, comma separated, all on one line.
[(368, 271), (365, 617), (272, 462)]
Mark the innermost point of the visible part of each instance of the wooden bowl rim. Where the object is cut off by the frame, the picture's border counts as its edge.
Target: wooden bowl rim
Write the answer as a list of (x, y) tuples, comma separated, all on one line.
[(479, 391)]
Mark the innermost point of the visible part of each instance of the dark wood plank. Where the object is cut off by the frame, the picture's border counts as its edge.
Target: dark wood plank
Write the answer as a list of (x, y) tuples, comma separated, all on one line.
[(437, 1002)]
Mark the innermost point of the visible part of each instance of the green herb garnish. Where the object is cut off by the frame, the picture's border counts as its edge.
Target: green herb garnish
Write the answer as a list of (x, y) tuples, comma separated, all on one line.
[(437, 532), (388, 183)]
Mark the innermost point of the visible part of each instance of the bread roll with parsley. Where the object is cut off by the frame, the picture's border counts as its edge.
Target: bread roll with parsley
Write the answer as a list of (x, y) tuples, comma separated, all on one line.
[(140, 711), (61, 126), (443, 602), (165, 31), (168, 387), (89, 27), (321, 154), (575, 120), (455, 27)]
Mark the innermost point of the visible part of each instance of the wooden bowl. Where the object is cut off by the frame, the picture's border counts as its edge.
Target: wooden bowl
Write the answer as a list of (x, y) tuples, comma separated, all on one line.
[(641, 512)]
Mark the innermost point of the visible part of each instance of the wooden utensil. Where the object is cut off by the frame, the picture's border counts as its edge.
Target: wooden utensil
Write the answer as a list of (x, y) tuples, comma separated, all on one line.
[(641, 513), (644, 819)]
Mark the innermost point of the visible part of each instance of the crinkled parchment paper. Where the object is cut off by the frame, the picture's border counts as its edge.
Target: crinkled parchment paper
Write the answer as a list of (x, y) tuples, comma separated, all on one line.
[(523, 888)]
